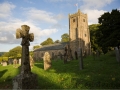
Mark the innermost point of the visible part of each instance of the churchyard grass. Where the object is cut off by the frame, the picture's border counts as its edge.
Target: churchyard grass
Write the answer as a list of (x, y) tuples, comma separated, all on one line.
[(101, 73)]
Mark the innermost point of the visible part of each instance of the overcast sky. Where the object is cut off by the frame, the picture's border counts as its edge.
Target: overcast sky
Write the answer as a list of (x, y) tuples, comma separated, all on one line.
[(46, 18)]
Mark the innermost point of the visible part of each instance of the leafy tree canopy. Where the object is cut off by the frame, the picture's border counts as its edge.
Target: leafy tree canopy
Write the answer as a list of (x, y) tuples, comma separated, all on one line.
[(47, 42), (65, 37), (57, 41), (93, 38), (15, 52), (35, 47), (109, 30)]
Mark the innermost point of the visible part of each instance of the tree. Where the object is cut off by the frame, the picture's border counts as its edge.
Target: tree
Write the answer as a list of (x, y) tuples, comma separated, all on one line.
[(57, 41), (15, 52), (35, 47), (109, 30), (6, 54), (65, 37), (47, 42), (93, 36)]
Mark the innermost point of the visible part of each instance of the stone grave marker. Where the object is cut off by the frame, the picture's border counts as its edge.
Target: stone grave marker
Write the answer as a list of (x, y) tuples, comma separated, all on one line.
[(47, 61), (117, 54), (76, 55), (26, 79), (20, 61), (94, 55), (31, 62), (15, 63), (65, 55), (10, 61), (81, 59), (4, 63)]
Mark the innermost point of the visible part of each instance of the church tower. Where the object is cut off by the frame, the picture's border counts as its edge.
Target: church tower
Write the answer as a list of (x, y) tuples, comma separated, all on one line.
[(79, 32)]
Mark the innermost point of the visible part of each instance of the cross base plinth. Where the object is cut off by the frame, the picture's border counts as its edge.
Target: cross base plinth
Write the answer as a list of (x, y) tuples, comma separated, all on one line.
[(25, 81)]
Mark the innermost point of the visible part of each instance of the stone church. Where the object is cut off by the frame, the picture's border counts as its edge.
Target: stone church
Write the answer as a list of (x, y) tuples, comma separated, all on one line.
[(79, 37)]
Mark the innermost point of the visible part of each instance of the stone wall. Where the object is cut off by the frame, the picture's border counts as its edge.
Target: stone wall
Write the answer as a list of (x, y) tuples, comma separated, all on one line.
[(53, 53)]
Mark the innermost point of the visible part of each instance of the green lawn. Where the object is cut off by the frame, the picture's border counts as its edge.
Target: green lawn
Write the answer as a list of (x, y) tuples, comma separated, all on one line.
[(101, 73)]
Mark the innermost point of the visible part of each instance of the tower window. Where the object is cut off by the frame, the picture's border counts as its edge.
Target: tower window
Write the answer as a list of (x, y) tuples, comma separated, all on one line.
[(73, 20), (85, 35), (83, 20)]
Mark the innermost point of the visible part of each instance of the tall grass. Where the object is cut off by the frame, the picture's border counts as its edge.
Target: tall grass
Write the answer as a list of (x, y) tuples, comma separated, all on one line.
[(100, 73)]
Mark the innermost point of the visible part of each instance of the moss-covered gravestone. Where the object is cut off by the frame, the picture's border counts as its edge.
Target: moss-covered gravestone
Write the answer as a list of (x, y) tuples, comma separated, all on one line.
[(26, 79), (47, 61)]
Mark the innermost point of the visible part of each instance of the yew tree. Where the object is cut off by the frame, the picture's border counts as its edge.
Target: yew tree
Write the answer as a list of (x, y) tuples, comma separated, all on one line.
[(109, 30)]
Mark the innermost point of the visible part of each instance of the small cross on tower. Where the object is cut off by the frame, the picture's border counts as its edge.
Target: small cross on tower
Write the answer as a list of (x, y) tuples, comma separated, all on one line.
[(26, 39)]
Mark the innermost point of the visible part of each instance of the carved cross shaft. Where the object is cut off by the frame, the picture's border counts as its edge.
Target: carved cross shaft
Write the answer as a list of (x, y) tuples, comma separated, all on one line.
[(26, 37)]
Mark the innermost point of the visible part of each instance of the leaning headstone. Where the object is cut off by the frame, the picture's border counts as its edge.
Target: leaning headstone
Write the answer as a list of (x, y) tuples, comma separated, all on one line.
[(4, 63), (81, 59), (47, 61), (117, 54), (31, 62), (26, 79)]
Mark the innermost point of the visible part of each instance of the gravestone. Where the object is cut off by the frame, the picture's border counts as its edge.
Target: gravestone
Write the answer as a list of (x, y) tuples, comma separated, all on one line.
[(10, 61), (20, 61), (47, 61), (76, 55), (31, 62), (81, 59), (69, 53), (97, 53), (15, 63), (94, 54), (117, 54), (26, 79), (65, 55), (4, 63)]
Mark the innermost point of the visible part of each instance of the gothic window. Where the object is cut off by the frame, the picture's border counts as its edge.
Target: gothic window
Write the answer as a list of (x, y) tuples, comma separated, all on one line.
[(73, 20)]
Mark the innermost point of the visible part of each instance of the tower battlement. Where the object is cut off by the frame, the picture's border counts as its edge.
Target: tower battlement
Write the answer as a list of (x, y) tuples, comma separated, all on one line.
[(77, 13)]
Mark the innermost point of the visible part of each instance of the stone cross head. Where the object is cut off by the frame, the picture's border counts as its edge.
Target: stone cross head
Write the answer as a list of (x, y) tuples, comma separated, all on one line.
[(24, 33)]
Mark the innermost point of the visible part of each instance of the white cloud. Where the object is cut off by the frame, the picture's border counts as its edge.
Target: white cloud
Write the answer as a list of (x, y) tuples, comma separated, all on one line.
[(40, 15), (8, 27), (94, 4), (59, 16), (8, 31), (5, 9), (3, 38), (93, 15), (59, 26)]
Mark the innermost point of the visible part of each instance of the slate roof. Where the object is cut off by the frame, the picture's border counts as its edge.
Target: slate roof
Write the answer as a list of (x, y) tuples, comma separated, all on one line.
[(57, 46)]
